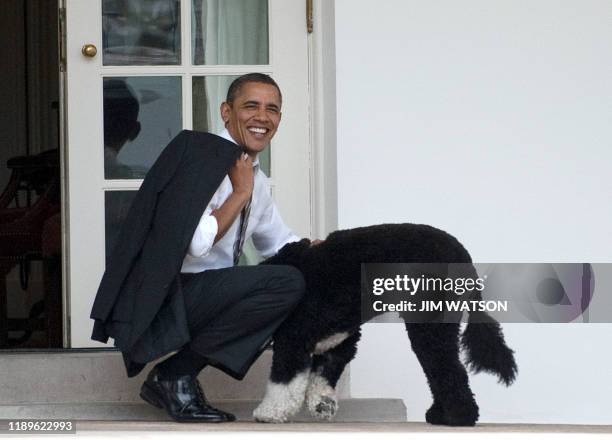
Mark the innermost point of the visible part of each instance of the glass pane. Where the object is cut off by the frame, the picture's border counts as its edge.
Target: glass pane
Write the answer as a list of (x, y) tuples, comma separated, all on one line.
[(116, 207), (229, 31), (208, 94), (141, 32), (141, 116)]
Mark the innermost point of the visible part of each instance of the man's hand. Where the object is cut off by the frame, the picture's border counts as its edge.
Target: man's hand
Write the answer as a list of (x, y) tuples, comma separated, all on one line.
[(316, 242), (241, 176)]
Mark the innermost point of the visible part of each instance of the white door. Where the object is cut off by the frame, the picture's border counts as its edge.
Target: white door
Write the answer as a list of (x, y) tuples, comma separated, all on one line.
[(161, 66)]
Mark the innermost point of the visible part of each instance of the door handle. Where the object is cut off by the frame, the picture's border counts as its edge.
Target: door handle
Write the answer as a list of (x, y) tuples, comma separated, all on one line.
[(89, 50)]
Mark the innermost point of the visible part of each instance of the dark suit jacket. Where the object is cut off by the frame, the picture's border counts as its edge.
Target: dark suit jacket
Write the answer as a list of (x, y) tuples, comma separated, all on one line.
[(139, 302)]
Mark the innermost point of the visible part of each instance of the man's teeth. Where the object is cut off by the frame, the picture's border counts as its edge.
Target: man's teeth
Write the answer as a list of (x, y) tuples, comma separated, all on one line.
[(258, 130)]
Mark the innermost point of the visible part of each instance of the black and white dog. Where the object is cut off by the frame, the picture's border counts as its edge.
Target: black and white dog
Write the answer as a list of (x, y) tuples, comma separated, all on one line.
[(314, 344)]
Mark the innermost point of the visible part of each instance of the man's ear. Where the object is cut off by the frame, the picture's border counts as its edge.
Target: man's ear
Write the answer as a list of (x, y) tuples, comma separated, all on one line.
[(225, 111)]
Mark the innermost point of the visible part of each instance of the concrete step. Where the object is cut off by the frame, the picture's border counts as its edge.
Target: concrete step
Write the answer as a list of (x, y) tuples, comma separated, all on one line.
[(349, 410), (98, 375)]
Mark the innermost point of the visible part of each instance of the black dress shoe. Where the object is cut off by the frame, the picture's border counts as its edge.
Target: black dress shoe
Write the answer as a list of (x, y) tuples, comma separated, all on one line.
[(182, 398)]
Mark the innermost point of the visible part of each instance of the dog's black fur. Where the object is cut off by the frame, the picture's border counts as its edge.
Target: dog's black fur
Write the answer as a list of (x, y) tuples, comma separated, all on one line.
[(331, 305)]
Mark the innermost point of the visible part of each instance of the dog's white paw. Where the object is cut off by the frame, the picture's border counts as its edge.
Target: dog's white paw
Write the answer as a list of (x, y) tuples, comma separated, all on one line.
[(267, 413), (321, 398), (282, 400), (324, 408)]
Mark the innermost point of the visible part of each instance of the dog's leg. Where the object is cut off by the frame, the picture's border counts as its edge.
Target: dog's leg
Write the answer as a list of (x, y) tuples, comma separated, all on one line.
[(437, 349), (287, 384), (326, 370)]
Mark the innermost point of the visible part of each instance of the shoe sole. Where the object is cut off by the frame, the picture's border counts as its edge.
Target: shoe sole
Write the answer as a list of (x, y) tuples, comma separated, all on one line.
[(149, 395)]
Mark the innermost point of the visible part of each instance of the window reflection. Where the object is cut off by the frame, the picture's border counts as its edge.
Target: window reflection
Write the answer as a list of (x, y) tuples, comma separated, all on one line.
[(141, 32), (141, 115), (121, 125)]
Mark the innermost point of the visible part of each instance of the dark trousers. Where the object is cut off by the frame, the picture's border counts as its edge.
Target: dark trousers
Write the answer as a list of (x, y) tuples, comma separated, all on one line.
[(233, 312)]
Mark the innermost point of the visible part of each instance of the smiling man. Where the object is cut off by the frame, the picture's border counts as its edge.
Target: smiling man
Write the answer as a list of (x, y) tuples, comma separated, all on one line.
[(232, 311)]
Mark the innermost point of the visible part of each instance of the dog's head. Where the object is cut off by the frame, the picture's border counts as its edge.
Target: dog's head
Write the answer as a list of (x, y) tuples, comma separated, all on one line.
[(291, 254)]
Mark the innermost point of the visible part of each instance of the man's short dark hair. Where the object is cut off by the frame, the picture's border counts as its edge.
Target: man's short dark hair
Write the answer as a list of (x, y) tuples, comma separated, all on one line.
[(237, 84)]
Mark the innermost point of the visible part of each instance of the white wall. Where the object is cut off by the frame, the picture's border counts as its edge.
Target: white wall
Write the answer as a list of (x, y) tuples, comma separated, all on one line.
[(491, 120)]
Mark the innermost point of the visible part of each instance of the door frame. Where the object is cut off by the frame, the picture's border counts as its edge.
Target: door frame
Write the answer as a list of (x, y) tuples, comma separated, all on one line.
[(63, 147), (322, 79)]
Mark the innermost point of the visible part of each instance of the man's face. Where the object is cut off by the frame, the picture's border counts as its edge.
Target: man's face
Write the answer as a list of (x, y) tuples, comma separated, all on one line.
[(253, 118)]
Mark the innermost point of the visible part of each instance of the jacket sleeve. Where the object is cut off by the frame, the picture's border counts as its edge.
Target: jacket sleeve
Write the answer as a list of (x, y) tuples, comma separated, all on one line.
[(136, 227)]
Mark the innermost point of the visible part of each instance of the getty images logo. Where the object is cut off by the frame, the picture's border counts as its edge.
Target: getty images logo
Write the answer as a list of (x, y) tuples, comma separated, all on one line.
[(542, 292)]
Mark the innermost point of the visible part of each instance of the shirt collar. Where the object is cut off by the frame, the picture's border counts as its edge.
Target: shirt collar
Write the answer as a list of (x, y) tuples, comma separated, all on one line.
[(226, 135)]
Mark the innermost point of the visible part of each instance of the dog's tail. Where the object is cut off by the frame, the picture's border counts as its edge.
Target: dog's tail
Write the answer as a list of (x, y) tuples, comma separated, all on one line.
[(484, 344), (486, 349)]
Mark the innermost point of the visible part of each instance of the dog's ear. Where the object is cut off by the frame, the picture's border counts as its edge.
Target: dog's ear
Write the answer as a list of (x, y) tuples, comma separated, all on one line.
[(290, 254)]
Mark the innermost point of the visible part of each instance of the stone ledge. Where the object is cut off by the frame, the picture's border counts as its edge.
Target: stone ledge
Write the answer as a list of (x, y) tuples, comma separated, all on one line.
[(349, 410), (99, 376)]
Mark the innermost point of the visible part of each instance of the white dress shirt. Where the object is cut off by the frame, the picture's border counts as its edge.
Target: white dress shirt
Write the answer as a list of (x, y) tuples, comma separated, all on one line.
[(265, 226)]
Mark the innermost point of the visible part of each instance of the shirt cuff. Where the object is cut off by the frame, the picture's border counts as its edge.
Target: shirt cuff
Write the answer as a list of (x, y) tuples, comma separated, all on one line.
[(204, 236)]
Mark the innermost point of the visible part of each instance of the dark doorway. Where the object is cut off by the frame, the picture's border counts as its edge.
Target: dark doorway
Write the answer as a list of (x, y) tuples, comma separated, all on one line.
[(30, 202)]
